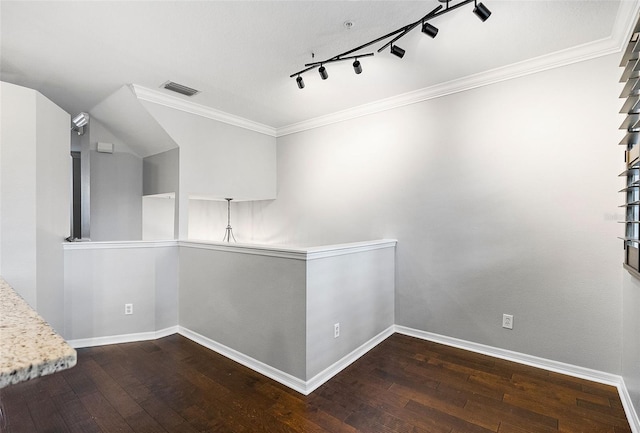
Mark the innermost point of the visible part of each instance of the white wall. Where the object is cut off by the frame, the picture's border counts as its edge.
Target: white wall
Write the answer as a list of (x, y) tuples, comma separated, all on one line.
[(18, 194), (53, 209), (158, 217), (35, 195), (502, 198), (217, 160)]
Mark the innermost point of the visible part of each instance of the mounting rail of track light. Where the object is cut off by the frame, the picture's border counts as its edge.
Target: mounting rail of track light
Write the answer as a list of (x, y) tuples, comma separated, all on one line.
[(480, 10)]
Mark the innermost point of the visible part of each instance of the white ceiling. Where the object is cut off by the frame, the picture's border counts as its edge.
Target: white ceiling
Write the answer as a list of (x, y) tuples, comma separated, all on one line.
[(240, 53)]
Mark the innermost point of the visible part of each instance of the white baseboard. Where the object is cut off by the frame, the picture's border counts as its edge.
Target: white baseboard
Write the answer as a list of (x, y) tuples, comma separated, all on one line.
[(534, 361), (325, 375), (629, 409), (307, 387), (124, 338), (258, 366), (295, 383)]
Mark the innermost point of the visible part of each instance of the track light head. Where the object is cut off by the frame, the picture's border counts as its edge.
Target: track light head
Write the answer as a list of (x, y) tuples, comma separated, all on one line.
[(482, 11), (356, 53), (323, 72), (81, 119), (429, 30), (79, 122), (397, 51), (357, 67)]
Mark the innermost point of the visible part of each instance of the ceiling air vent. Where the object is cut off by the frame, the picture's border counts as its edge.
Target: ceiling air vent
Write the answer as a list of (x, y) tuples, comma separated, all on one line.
[(179, 88)]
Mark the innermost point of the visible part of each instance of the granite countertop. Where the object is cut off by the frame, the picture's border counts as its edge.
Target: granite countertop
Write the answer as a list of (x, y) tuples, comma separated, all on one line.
[(29, 347)]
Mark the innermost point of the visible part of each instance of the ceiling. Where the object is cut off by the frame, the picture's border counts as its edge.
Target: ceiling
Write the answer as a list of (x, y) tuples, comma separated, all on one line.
[(240, 53)]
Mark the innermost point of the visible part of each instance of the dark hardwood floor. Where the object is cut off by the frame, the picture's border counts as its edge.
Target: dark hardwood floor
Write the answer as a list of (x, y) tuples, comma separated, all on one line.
[(402, 385)]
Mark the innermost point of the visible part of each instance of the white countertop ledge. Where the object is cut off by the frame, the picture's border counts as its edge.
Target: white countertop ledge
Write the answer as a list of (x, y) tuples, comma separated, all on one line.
[(282, 251)]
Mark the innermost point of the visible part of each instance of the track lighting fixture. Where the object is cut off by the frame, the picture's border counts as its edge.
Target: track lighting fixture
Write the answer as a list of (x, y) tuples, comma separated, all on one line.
[(79, 122), (323, 73), (357, 67), (429, 30), (397, 51), (81, 119), (480, 10)]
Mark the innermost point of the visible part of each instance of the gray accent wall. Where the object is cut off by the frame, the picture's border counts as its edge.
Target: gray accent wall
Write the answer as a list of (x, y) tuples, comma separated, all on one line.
[(354, 290), (99, 282), (116, 196), (253, 304), (279, 307)]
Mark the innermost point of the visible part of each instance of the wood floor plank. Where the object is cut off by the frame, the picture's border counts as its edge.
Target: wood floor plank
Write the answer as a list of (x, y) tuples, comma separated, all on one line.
[(104, 414), (168, 418), (46, 416), (15, 412), (75, 415), (403, 385)]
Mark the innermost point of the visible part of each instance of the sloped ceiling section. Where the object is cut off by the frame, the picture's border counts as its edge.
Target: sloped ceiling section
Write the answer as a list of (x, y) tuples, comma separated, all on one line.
[(126, 118)]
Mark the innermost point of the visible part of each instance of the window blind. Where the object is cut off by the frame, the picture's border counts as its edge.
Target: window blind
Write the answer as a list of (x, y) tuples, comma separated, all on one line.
[(631, 124)]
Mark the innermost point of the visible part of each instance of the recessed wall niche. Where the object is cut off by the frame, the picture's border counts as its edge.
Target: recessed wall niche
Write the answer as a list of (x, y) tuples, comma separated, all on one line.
[(160, 190), (207, 218)]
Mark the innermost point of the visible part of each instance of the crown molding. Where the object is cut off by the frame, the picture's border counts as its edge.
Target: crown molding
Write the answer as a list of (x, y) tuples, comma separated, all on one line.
[(160, 98), (520, 69), (625, 19), (627, 14)]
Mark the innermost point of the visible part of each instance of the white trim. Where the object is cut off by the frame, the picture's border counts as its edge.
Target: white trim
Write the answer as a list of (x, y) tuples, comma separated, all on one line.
[(625, 22), (531, 66), (280, 376), (323, 252), (329, 372), (520, 358), (258, 366), (260, 250), (307, 387), (124, 338), (627, 14), (629, 410), (176, 103), (295, 253), (112, 245), (534, 361), (281, 251)]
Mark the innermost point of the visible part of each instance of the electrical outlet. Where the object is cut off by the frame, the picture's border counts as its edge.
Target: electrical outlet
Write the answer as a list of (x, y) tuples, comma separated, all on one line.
[(507, 321), (128, 308), (336, 330)]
